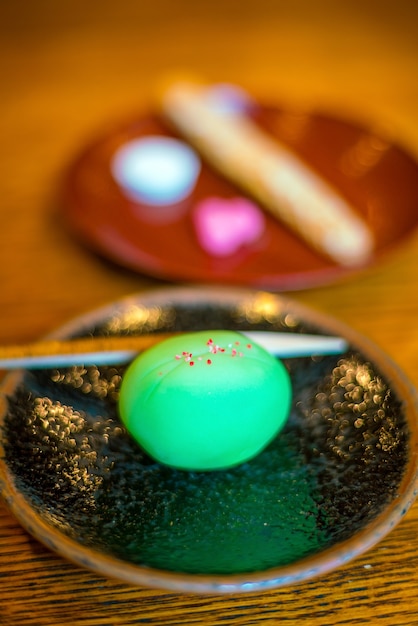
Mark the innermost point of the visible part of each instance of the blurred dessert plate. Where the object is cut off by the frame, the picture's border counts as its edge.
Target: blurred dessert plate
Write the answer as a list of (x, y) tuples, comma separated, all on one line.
[(220, 188)]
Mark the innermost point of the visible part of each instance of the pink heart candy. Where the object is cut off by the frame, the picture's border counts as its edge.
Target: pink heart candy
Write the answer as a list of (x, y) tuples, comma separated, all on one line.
[(223, 225)]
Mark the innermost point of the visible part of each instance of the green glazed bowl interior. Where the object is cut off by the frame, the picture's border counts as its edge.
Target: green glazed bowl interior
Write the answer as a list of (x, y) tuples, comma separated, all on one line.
[(337, 479)]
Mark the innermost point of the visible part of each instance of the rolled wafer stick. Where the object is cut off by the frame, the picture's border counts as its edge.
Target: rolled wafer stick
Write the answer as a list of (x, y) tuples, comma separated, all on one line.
[(270, 173)]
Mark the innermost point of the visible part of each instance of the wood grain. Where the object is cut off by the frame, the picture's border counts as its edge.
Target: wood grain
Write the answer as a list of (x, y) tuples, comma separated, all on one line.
[(69, 69)]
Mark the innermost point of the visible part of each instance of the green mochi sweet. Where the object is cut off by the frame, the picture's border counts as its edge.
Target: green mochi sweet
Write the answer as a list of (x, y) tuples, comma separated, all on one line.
[(205, 400)]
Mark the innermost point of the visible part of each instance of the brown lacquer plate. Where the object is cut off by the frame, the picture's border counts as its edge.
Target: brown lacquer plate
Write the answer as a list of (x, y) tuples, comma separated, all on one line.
[(337, 479), (374, 174)]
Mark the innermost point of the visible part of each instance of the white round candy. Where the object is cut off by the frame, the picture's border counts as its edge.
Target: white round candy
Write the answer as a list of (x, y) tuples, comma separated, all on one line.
[(156, 170)]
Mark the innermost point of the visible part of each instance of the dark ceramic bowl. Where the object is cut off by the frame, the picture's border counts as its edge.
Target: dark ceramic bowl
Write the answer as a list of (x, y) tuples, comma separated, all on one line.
[(338, 478)]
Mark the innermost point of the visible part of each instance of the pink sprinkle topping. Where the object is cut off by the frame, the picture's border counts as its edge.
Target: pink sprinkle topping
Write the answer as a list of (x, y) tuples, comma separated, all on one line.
[(213, 349)]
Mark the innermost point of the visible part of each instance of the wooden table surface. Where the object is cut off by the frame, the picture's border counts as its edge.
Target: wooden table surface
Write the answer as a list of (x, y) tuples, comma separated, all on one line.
[(69, 68)]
